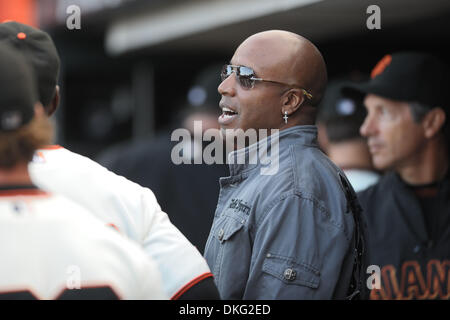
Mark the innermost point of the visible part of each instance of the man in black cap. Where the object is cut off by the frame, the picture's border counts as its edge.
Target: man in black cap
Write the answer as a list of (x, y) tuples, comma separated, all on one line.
[(118, 202), (408, 211)]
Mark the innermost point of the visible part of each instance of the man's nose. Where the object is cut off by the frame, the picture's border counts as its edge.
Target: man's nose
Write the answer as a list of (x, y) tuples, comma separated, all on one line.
[(228, 86), (368, 127)]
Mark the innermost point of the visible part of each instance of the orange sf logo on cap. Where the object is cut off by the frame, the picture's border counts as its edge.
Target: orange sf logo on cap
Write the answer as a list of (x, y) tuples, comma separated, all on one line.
[(381, 65), (21, 35)]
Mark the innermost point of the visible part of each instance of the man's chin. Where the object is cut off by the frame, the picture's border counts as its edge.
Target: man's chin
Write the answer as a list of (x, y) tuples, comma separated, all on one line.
[(381, 163)]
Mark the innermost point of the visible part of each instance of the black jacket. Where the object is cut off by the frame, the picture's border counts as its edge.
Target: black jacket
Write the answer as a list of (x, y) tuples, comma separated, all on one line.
[(414, 264)]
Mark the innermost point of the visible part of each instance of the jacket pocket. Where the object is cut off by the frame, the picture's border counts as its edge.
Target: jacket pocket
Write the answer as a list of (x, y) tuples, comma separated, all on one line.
[(290, 271), (229, 227)]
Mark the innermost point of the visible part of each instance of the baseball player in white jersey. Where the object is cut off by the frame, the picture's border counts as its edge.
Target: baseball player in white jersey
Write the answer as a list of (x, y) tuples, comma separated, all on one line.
[(50, 247), (128, 207)]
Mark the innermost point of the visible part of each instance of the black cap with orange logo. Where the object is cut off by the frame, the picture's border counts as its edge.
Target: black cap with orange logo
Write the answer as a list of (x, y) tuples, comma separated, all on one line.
[(410, 77), (38, 47)]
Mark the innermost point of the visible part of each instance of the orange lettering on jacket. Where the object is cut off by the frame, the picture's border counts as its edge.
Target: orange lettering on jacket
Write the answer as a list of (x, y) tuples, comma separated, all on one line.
[(414, 284)]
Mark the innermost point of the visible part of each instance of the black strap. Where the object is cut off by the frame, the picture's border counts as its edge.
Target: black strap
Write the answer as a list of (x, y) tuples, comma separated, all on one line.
[(356, 289)]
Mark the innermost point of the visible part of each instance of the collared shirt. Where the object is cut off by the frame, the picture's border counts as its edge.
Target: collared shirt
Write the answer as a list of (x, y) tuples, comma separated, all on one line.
[(285, 235)]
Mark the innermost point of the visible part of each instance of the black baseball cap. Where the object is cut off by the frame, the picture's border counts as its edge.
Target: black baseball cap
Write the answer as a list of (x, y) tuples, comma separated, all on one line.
[(18, 93), (408, 76), (37, 46), (203, 93), (335, 105), (341, 115)]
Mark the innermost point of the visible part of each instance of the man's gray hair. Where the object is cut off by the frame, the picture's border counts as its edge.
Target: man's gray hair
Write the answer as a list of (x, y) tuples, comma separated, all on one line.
[(418, 110)]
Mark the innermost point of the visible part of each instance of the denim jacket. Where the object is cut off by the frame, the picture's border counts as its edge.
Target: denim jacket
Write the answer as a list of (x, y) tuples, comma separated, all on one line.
[(289, 235)]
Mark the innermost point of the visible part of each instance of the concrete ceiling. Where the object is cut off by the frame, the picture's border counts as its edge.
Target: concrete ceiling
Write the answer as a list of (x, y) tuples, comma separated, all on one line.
[(223, 24)]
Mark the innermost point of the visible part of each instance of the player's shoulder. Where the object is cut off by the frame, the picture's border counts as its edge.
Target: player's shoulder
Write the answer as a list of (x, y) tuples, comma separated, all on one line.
[(56, 160), (55, 153)]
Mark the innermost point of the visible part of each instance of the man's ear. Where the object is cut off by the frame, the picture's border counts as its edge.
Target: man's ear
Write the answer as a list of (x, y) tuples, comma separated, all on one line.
[(292, 100), (51, 108), (433, 122)]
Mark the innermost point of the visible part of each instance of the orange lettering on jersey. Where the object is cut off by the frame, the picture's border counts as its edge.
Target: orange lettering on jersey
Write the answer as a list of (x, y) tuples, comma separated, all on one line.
[(375, 294), (438, 279), (381, 65), (389, 287), (412, 283)]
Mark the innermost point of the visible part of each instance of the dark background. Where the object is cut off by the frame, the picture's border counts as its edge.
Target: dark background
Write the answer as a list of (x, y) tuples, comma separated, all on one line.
[(91, 78)]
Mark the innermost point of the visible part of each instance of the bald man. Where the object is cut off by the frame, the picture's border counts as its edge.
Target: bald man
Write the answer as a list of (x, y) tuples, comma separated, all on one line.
[(293, 233)]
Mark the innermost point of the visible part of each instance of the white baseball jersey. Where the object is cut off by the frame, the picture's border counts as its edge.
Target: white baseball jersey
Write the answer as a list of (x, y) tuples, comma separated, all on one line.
[(130, 208), (52, 248)]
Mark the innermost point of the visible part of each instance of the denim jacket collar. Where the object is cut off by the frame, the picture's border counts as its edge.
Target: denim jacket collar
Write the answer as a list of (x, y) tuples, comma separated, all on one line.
[(300, 135)]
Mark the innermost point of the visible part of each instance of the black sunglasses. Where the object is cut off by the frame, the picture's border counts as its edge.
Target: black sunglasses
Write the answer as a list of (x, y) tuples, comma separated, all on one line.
[(247, 78)]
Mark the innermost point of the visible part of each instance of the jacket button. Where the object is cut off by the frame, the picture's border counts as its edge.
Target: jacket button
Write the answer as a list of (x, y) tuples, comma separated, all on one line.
[(290, 274), (220, 234)]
